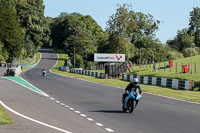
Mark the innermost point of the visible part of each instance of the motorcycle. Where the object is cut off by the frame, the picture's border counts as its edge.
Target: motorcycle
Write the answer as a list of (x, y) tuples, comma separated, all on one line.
[(131, 100), (44, 73)]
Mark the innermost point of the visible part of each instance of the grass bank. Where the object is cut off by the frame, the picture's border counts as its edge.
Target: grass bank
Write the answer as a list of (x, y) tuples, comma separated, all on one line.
[(37, 58), (180, 94), (174, 72), (4, 117)]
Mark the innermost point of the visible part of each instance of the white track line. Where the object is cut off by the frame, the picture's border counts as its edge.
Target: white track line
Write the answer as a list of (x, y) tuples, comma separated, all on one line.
[(123, 89), (33, 120), (78, 112), (35, 87), (99, 124), (109, 130), (83, 115), (90, 119), (42, 93)]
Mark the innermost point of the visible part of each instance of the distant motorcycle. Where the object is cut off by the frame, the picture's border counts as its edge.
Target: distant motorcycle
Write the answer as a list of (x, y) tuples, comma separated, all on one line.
[(44, 73), (131, 101)]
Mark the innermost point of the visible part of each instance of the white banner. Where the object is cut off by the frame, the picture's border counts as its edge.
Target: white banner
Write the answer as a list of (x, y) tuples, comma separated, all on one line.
[(101, 57)]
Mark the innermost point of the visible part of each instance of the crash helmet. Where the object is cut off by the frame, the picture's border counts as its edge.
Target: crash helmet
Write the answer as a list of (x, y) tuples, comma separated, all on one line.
[(135, 81)]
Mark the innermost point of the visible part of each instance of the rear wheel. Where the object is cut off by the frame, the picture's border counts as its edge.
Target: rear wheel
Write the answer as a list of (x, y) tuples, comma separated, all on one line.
[(124, 110)]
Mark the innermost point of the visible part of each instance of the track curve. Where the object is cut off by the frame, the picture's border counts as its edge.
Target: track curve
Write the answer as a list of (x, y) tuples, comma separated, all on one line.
[(154, 114)]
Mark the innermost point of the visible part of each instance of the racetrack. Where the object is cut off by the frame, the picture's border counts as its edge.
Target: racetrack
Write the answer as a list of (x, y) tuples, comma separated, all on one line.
[(102, 104)]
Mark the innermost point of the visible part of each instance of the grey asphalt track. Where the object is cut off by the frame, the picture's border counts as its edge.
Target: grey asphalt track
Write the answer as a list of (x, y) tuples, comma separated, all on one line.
[(102, 103)]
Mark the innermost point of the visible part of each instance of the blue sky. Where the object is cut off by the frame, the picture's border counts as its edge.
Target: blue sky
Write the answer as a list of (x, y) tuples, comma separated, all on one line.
[(173, 14)]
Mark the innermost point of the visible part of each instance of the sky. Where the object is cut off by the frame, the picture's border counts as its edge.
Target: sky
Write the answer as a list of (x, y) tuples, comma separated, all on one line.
[(173, 14)]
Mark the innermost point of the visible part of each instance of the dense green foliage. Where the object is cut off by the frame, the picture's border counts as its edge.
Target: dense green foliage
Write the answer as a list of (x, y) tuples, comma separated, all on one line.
[(31, 17), (24, 30), (76, 32), (194, 25), (11, 35), (133, 33), (188, 37)]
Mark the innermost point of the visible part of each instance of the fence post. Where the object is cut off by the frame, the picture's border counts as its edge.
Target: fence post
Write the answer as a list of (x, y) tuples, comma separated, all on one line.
[(189, 68), (164, 67)]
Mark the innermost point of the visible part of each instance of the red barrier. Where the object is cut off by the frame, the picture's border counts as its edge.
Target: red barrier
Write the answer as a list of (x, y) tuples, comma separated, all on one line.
[(185, 68), (171, 63)]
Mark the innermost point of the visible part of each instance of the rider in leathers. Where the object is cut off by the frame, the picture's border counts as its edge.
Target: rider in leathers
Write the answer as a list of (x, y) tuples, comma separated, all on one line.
[(133, 85)]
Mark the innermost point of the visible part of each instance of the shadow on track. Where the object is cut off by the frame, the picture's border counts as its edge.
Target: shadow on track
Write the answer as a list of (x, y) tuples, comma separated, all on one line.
[(108, 111)]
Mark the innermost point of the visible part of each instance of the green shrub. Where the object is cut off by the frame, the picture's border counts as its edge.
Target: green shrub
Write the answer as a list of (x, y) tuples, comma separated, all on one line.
[(187, 52)]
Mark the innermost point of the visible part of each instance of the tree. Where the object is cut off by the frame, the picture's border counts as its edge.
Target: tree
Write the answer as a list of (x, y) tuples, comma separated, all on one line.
[(122, 22), (83, 42), (11, 34), (126, 27), (31, 17), (67, 25), (182, 40), (194, 25)]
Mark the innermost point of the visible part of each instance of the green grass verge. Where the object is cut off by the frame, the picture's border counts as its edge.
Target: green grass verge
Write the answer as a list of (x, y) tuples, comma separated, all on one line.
[(37, 58), (175, 72), (4, 117), (180, 94)]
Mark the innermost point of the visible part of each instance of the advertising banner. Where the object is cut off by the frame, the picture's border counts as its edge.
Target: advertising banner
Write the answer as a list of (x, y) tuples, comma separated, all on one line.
[(102, 57)]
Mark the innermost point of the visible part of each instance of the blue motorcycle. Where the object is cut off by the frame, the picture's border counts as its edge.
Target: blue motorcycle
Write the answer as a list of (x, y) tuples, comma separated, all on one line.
[(131, 101)]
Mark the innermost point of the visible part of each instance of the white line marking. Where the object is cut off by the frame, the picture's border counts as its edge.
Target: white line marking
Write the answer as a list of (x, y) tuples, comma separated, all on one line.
[(90, 119), (99, 124), (52, 98), (42, 93), (33, 120), (62, 104), (109, 130), (71, 108), (57, 101), (83, 115), (171, 98), (78, 112), (66, 106), (35, 87)]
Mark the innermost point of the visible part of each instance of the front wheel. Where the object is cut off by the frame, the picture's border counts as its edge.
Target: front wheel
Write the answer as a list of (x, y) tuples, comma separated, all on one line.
[(131, 108)]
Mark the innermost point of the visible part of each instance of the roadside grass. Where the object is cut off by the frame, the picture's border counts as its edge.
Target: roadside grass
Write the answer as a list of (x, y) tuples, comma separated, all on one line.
[(24, 61), (4, 117), (193, 96), (37, 58), (175, 72)]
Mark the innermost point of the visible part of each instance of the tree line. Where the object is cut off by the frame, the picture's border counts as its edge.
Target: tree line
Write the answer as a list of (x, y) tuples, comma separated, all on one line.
[(24, 30)]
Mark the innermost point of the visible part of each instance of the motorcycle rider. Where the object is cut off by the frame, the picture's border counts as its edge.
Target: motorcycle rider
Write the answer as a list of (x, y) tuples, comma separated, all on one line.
[(131, 87), (44, 71)]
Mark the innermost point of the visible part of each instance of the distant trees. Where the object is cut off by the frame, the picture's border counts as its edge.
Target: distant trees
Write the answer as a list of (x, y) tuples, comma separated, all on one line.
[(24, 30), (11, 33), (130, 31), (30, 14), (185, 37), (74, 30), (194, 25), (23, 27)]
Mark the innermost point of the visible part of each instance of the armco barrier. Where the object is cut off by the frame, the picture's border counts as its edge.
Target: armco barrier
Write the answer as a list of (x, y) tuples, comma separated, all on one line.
[(164, 82), (88, 73)]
